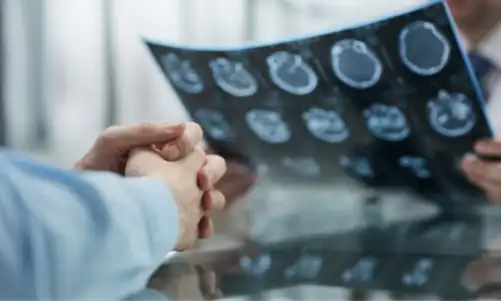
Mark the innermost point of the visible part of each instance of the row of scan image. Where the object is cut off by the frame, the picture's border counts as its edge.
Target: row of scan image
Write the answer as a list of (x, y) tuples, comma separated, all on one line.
[(359, 166), (423, 49), (449, 114), (309, 266)]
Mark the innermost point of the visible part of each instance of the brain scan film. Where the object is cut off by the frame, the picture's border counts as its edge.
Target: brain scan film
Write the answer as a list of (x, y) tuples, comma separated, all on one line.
[(360, 166), (423, 48), (417, 165), (256, 266), (268, 125), (291, 73), (387, 122), (304, 166), (451, 114), (214, 124), (182, 74), (325, 125), (355, 64), (233, 78)]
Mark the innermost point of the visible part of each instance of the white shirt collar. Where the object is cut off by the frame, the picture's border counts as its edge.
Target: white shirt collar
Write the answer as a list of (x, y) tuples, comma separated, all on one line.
[(490, 46)]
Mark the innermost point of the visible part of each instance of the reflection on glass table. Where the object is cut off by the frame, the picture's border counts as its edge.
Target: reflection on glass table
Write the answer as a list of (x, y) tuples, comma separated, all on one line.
[(405, 254)]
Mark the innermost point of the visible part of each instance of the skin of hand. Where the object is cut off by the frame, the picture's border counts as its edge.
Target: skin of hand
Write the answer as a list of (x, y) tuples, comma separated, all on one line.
[(236, 182), (485, 174), (183, 176), (112, 147)]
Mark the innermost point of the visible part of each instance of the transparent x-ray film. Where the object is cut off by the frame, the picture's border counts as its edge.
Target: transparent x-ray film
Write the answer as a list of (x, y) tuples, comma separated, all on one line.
[(182, 74), (417, 165), (268, 125), (387, 122), (291, 73), (380, 102), (423, 48), (451, 114), (233, 78), (326, 125), (355, 64), (306, 166), (215, 124)]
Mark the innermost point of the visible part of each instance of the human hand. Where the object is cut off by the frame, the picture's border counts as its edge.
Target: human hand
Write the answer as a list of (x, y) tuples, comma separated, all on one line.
[(483, 173), (192, 199), (111, 149)]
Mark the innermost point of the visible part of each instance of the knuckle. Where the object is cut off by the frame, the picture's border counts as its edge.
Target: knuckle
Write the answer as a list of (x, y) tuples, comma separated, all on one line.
[(109, 135), (195, 128), (147, 128)]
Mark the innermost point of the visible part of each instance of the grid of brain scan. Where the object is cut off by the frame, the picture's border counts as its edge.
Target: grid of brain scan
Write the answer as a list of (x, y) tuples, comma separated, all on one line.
[(389, 103)]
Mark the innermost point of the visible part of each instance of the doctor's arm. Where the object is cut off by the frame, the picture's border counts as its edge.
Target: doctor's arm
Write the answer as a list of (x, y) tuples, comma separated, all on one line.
[(70, 235)]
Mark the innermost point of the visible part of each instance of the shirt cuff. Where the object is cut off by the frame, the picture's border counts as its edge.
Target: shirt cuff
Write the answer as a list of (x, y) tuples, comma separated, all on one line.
[(161, 214)]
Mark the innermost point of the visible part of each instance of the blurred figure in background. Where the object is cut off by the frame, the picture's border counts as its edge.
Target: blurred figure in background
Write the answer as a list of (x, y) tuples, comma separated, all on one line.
[(479, 22)]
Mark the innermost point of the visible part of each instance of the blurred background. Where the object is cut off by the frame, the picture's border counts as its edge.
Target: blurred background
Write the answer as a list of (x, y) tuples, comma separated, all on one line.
[(72, 68)]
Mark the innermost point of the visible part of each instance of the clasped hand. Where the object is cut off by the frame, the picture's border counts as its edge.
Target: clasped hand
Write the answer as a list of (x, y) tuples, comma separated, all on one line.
[(169, 153)]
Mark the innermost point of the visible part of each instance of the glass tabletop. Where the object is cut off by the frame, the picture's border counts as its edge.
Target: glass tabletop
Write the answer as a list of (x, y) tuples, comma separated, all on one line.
[(307, 243)]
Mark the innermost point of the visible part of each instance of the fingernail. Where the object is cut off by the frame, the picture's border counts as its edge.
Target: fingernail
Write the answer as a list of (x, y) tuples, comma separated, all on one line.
[(172, 152)]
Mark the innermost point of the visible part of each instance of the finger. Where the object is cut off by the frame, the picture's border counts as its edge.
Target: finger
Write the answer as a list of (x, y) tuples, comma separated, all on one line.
[(215, 168), (488, 147), (233, 170), (205, 228), (184, 144), (484, 171), (195, 160), (126, 137), (204, 183), (213, 200), (234, 188)]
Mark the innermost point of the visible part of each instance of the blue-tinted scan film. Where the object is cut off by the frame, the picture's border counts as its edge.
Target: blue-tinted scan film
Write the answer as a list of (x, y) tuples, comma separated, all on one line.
[(391, 103)]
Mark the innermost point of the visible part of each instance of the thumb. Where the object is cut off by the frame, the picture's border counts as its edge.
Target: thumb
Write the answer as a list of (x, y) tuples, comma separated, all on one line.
[(126, 137)]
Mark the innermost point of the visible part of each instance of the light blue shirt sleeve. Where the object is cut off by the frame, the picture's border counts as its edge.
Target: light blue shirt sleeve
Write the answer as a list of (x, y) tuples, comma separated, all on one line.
[(73, 235)]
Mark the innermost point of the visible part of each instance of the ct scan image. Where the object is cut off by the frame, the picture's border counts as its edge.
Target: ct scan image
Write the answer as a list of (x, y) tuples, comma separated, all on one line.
[(451, 114), (387, 122), (358, 165), (417, 165), (233, 78), (291, 73), (355, 64), (342, 105), (325, 125), (215, 124), (423, 48), (182, 74), (268, 125)]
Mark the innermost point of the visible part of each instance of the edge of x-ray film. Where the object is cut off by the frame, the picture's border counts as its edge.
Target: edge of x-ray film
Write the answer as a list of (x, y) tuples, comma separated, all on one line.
[(262, 100)]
